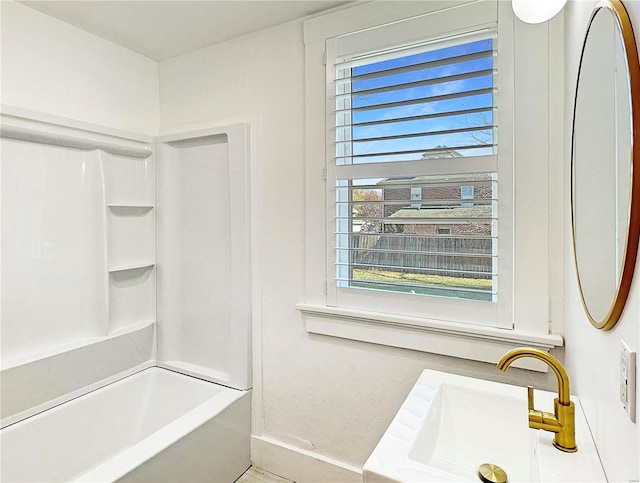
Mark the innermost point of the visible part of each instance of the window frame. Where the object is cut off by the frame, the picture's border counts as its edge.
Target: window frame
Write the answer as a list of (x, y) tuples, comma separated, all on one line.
[(465, 311), (526, 318)]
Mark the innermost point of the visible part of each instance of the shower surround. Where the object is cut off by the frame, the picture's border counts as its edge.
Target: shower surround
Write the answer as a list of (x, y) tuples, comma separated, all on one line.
[(105, 276)]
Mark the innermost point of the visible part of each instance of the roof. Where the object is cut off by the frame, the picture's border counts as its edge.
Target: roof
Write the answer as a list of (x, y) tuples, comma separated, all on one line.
[(461, 178), (431, 215), (440, 152)]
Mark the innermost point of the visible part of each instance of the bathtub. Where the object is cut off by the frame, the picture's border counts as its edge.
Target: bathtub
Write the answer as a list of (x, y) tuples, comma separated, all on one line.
[(156, 425)]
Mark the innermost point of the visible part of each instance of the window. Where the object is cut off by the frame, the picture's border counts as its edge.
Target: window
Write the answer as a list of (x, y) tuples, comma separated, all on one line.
[(467, 193), (420, 229), (416, 195), (415, 107)]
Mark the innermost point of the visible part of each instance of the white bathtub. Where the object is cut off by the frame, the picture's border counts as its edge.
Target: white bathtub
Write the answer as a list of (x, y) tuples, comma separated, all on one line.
[(156, 425)]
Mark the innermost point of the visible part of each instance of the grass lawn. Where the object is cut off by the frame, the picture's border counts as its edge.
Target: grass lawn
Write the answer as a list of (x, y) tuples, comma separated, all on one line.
[(368, 279)]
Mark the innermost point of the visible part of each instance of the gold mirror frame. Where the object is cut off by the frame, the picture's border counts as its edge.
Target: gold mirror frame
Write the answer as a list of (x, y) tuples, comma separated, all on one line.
[(633, 228)]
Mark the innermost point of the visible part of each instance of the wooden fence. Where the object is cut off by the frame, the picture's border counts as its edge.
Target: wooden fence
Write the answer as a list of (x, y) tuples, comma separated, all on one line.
[(436, 255)]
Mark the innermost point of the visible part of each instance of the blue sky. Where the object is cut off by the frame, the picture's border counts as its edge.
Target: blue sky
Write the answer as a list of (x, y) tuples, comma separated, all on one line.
[(360, 100)]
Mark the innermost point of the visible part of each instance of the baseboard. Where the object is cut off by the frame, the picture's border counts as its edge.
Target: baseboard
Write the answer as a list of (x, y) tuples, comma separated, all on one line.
[(300, 465)]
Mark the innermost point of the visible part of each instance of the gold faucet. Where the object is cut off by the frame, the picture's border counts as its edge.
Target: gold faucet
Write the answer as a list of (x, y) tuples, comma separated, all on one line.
[(562, 421)]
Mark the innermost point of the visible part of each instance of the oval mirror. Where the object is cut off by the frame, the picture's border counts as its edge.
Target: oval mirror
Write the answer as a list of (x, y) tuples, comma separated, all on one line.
[(605, 162)]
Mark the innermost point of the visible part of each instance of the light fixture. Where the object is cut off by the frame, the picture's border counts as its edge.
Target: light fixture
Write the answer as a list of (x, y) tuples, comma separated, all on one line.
[(536, 11)]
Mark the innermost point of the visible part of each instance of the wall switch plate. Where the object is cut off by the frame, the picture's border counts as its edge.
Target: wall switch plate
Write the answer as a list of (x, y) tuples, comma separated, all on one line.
[(628, 379)]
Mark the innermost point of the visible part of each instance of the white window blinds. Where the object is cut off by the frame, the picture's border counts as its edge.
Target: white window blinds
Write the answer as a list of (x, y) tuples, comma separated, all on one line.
[(416, 169)]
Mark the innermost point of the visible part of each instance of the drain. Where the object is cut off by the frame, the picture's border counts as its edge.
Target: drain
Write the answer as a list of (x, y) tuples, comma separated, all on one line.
[(490, 473)]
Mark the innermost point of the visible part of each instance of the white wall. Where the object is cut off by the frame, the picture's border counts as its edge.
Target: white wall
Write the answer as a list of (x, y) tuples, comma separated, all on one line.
[(52, 67), (592, 356), (314, 396)]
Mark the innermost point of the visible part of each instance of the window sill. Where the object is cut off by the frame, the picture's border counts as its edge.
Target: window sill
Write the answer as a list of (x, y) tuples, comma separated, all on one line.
[(479, 343)]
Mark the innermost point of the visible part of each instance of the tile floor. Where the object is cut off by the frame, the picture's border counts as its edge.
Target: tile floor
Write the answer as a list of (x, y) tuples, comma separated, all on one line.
[(256, 475)]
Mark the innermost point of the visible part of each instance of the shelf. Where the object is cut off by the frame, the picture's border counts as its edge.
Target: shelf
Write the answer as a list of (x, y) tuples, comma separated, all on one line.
[(133, 266), (114, 206), (133, 327)]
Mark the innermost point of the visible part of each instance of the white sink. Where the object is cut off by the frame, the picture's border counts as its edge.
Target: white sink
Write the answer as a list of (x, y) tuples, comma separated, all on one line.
[(449, 425)]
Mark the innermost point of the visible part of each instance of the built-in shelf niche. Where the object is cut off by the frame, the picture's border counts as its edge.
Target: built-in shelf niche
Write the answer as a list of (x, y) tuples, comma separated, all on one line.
[(131, 232), (130, 182), (132, 296), (131, 240)]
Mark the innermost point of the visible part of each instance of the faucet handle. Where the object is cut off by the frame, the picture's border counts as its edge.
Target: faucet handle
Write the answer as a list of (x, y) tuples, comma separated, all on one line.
[(535, 417), (539, 419)]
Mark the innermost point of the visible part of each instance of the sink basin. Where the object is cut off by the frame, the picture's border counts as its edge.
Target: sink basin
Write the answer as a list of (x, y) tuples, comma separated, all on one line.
[(449, 425), (466, 427)]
